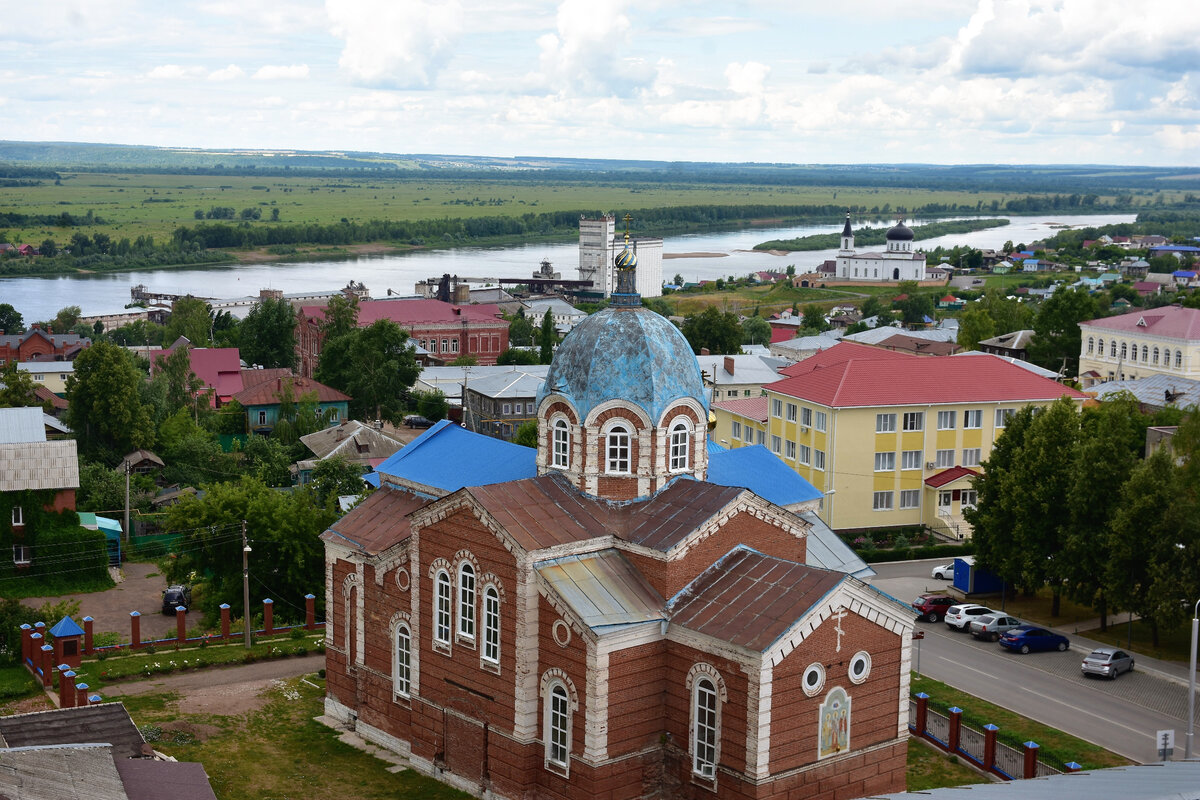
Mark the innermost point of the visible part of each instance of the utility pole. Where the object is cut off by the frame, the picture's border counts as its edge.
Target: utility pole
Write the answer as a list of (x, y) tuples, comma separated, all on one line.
[(245, 587), (128, 469)]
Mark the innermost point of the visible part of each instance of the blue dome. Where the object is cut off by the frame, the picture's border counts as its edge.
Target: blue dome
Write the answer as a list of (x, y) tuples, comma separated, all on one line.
[(631, 354)]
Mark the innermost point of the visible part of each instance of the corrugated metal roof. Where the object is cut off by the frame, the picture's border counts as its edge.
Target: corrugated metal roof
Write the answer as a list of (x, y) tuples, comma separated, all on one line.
[(19, 425), (378, 522), (79, 772), (1153, 390), (1173, 780), (146, 779), (107, 722), (825, 549), (762, 472), (514, 383), (604, 589), (39, 465), (446, 458)]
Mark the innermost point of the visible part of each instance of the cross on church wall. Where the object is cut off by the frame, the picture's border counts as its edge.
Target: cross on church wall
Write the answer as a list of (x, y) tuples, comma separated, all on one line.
[(838, 615)]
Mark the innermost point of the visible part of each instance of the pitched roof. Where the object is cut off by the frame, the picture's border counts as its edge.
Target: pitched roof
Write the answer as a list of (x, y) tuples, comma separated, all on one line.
[(21, 425), (862, 382), (345, 439), (66, 627), (149, 779), (750, 599), (251, 377), (603, 589), (1171, 322), (762, 472), (1154, 390), (220, 368), (137, 457), (1016, 340), (80, 772), (39, 465), (267, 393), (825, 549), (438, 460), (409, 312), (378, 522), (950, 475), (916, 345), (750, 407), (841, 352), (106, 722)]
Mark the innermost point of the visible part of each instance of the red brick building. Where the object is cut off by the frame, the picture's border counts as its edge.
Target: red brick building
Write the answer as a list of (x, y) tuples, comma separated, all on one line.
[(446, 330), (39, 345), (615, 627)]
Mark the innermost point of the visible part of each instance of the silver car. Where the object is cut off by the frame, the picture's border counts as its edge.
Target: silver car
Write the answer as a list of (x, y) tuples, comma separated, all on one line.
[(990, 626), (1107, 661), (959, 617)]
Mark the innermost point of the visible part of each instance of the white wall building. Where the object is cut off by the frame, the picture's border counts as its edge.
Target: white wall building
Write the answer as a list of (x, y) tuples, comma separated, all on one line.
[(599, 245), (898, 262)]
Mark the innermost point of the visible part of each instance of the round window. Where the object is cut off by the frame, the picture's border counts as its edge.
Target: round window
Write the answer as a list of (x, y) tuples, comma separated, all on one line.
[(860, 666), (814, 679)]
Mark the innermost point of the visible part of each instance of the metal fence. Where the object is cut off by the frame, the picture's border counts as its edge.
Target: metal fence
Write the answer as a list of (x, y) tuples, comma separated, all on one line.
[(971, 742), (1044, 769), (1010, 761), (938, 726)]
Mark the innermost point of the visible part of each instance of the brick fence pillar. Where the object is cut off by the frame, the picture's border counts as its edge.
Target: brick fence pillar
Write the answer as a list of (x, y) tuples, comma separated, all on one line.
[(89, 644), (1071, 766), (47, 665), (81, 694), (180, 623), (922, 713), (66, 687), (268, 617), (26, 643), (310, 611), (955, 735), (989, 746), (135, 629), (95, 700), (1031, 754), (224, 620), (35, 651)]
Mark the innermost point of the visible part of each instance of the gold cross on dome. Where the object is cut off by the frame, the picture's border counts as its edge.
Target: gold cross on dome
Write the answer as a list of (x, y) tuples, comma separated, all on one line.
[(628, 218)]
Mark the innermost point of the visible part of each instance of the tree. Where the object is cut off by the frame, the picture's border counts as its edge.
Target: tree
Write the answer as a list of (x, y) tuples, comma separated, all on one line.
[(102, 489), (267, 459), (66, 319), (814, 317), (515, 355), (432, 405), (268, 334), (974, 326), (547, 337), (192, 455), (1008, 315), (48, 248), (526, 435), (341, 316), (17, 387), (106, 410), (520, 330), (994, 516), (465, 360), (756, 330), (872, 307), (677, 280), (1057, 341), (915, 308), (190, 319), (335, 477), (720, 333), (10, 319), (181, 387), (375, 365)]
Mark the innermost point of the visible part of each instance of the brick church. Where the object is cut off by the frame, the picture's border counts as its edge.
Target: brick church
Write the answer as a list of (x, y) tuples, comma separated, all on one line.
[(616, 626)]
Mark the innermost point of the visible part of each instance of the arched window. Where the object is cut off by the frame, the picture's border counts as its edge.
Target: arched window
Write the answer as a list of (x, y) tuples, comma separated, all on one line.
[(1112, 349), (1154, 353), (466, 600), (557, 726), (1123, 350), (402, 668), (680, 435), (704, 728), (1178, 359), (441, 617), (618, 449), (1100, 348), (1145, 353), (1091, 345), (491, 625), (562, 444)]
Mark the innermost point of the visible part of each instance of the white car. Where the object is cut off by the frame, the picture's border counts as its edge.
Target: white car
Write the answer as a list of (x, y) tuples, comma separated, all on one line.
[(959, 617), (944, 572)]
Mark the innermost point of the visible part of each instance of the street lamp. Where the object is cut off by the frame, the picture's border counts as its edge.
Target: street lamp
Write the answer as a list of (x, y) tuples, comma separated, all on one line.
[(1187, 742)]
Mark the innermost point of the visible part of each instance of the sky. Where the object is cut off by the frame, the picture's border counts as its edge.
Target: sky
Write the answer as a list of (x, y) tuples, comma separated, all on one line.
[(797, 81)]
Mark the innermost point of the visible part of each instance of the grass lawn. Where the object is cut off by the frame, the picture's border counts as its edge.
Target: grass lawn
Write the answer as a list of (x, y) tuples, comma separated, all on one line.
[(929, 768), (16, 682), (277, 751), (1173, 645), (1036, 609), (1014, 728)]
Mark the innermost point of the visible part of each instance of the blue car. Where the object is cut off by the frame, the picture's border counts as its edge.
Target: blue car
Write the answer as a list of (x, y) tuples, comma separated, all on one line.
[(1030, 639)]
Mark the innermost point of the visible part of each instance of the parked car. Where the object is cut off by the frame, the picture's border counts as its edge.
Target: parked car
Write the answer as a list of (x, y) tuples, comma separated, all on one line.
[(944, 572), (990, 626), (1107, 661), (417, 421), (932, 607), (1032, 639), (174, 596), (959, 617)]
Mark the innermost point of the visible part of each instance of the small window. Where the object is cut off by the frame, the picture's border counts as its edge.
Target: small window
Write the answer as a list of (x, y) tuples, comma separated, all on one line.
[(805, 454), (1112, 349), (558, 727), (914, 421), (806, 417), (885, 423), (704, 729), (860, 666), (737, 429), (910, 498), (1003, 415), (813, 680), (911, 459), (402, 672), (946, 420), (618, 450), (507, 409), (821, 416), (1154, 355), (791, 412), (790, 450), (885, 462), (562, 444), (22, 554), (970, 498), (1100, 347), (973, 418), (441, 622), (1091, 345), (818, 459), (748, 435), (680, 436), (466, 601), (776, 407), (776, 445), (262, 418), (333, 415), (971, 457), (1178, 359), (881, 501), (491, 625), (760, 437), (18, 516), (945, 459)]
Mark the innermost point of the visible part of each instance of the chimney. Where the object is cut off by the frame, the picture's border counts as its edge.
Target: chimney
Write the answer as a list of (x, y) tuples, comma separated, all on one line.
[(457, 311), (704, 351), (729, 364)]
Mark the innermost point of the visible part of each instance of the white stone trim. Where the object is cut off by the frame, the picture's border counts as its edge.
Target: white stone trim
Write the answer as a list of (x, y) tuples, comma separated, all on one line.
[(525, 653), (905, 683), (715, 647), (758, 713), (595, 722), (353, 616), (638, 418)]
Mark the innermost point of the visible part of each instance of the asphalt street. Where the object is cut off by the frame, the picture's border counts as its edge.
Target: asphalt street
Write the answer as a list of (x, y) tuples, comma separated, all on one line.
[(1121, 715)]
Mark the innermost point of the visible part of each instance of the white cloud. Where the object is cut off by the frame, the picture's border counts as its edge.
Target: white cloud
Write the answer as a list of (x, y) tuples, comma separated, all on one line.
[(747, 78), (395, 43), (275, 72), (172, 72), (1182, 139), (229, 73), (583, 56)]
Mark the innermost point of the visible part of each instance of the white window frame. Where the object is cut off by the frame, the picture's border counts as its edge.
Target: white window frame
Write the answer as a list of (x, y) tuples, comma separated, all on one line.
[(820, 420), (972, 456), (885, 423), (789, 450), (18, 516), (776, 444), (819, 460), (706, 729), (507, 409), (947, 420), (911, 459), (490, 653), (561, 444), (973, 419), (465, 629), (910, 498), (617, 450), (760, 437), (805, 455), (681, 436), (969, 498), (791, 412), (776, 407), (402, 661), (882, 501), (1003, 415), (885, 461), (735, 430), (443, 622), (558, 712), (914, 421), (22, 554), (943, 459), (748, 434), (805, 417)]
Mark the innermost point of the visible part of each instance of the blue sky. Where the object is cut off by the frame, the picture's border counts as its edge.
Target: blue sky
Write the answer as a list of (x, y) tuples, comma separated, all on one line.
[(851, 81)]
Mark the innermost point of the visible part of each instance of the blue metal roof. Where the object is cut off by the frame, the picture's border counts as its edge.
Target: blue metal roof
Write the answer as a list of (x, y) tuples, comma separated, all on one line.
[(448, 457), (759, 470), (66, 627)]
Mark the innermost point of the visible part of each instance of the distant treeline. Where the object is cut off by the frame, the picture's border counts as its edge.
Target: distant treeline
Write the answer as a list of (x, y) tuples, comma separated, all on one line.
[(12, 219), (876, 236), (1179, 226)]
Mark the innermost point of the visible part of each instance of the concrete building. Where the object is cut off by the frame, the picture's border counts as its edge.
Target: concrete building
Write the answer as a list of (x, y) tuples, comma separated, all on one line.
[(1157, 341), (598, 246)]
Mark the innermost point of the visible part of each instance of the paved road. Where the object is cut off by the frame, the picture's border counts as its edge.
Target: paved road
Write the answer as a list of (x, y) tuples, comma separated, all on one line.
[(1121, 715)]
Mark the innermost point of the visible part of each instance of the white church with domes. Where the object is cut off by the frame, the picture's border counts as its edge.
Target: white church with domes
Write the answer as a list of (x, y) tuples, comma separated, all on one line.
[(898, 262)]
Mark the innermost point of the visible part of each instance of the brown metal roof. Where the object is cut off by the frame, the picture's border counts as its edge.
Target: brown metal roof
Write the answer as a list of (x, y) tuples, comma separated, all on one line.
[(750, 599), (668, 517), (545, 511), (144, 779), (378, 522)]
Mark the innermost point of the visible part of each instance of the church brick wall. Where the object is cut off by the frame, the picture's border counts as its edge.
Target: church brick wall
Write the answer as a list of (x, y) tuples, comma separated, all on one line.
[(873, 703), (678, 709), (636, 693)]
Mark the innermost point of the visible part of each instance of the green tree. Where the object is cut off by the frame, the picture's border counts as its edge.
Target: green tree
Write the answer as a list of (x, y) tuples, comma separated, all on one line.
[(267, 459), (17, 387), (547, 337), (526, 435), (720, 333), (520, 330), (432, 405), (994, 516), (1008, 315), (974, 326), (1057, 340), (48, 248), (814, 318), (106, 411), (190, 319), (375, 365), (11, 320), (756, 330), (181, 387), (66, 319), (516, 356), (192, 455), (268, 334), (915, 308), (334, 477), (100, 488), (341, 316)]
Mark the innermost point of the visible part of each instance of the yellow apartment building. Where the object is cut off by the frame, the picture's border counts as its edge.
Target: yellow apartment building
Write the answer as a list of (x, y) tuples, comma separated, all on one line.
[(1156, 341), (740, 423), (895, 439)]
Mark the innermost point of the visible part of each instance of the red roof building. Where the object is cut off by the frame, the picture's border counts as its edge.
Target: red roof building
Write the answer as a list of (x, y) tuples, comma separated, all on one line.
[(446, 330), (218, 368), (39, 345)]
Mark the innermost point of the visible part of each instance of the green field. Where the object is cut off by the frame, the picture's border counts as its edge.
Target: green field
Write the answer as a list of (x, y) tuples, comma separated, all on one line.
[(152, 204)]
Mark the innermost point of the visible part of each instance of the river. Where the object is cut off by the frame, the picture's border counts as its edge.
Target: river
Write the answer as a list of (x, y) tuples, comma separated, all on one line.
[(41, 298)]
